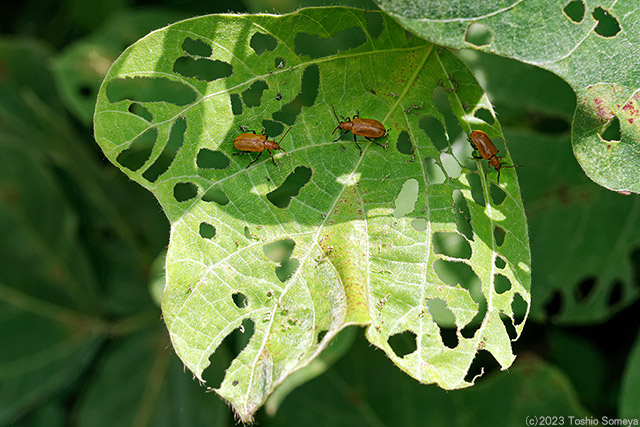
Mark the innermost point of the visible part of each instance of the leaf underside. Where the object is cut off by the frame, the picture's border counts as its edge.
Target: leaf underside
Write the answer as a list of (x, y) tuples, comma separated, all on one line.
[(407, 238), (593, 46)]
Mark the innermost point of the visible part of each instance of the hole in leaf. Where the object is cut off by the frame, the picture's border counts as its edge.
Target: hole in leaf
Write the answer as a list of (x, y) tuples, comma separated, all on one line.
[(478, 35), (236, 104), (500, 263), (519, 308), (483, 364), (140, 111), (455, 273), (280, 250), (252, 97), (445, 320), (498, 235), (554, 304), (434, 130), (608, 25), (612, 132), (306, 97), (204, 69), (497, 194), (150, 89), (227, 351), (508, 325), (290, 188), (249, 235), (375, 24), (419, 224), (196, 47), (403, 343), (184, 191), (405, 202), (317, 47), (240, 300), (286, 270), (321, 336), (615, 294), (484, 115), (261, 42), (216, 195), (574, 10), (404, 144), (139, 151), (472, 327), (463, 218), (207, 231), (451, 244), (272, 128), (443, 104), (169, 152), (585, 288), (451, 165), (501, 283), (280, 62), (476, 188), (280, 253), (209, 159), (433, 171)]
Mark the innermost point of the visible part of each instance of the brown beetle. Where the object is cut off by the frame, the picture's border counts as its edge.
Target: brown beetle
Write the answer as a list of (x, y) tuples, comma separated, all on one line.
[(481, 142), (252, 142), (368, 128)]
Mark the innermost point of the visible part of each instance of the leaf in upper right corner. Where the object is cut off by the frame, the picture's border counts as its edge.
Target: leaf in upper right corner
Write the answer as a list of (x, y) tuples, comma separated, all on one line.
[(591, 46)]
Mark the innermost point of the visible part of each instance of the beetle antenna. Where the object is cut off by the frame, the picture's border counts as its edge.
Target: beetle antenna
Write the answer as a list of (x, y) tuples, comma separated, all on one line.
[(285, 134), (334, 113)]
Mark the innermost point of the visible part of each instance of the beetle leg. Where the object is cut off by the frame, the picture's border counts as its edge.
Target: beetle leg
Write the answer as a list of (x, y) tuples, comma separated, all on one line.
[(357, 145), (357, 114), (343, 134), (272, 159), (377, 143), (255, 159)]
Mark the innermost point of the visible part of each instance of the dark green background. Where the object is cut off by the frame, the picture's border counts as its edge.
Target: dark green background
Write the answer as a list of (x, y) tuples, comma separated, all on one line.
[(82, 339)]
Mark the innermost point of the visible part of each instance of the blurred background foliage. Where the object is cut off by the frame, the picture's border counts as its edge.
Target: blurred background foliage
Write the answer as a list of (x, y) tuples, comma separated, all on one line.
[(82, 339)]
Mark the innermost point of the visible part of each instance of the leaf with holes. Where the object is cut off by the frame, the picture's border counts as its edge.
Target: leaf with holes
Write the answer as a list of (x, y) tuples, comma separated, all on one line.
[(593, 47), (400, 233)]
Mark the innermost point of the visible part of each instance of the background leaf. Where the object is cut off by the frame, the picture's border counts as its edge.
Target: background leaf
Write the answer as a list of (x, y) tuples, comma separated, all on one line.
[(406, 238), (357, 391), (159, 392), (564, 208), (589, 45)]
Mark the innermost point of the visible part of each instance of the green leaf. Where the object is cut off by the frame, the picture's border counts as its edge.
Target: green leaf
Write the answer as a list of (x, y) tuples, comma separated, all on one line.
[(590, 46), (80, 68), (159, 392), (404, 238), (564, 208), (47, 328), (576, 283), (362, 389)]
